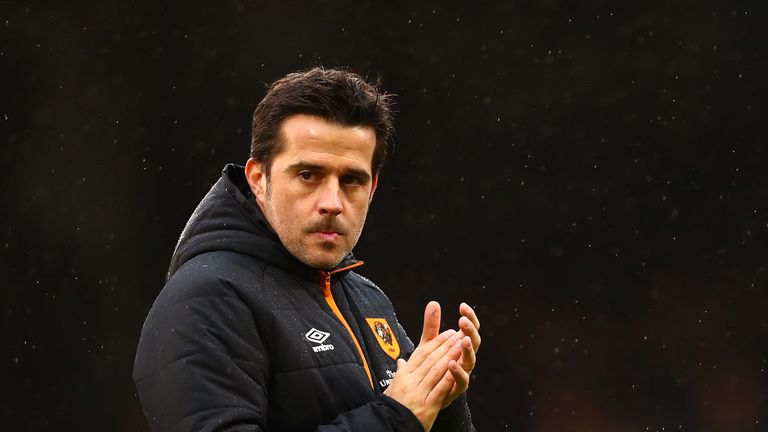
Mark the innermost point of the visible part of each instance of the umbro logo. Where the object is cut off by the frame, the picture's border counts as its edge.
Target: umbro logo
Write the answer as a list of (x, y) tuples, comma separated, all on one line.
[(316, 336)]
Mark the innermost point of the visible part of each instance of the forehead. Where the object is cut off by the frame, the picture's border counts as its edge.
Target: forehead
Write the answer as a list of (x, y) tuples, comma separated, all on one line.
[(310, 137)]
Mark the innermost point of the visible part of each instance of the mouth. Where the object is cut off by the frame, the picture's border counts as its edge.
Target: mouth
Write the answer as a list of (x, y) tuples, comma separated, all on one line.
[(327, 236)]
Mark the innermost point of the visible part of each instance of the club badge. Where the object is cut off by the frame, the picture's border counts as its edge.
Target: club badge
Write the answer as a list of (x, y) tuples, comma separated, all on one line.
[(385, 336)]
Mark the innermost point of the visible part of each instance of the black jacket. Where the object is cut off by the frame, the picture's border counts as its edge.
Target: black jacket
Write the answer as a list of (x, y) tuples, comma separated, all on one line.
[(246, 337)]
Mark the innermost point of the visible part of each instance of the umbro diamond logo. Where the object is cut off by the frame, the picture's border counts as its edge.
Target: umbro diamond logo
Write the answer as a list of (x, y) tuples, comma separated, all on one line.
[(316, 336)]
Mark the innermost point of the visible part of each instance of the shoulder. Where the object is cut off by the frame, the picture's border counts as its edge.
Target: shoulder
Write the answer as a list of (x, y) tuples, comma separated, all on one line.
[(364, 287), (365, 283), (214, 286), (367, 293), (231, 277), (204, 284), (220, 265), (206, 306), (218, 273)]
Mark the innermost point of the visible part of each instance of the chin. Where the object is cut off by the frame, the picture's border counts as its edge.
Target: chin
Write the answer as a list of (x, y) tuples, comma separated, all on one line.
[(328, 264), (323, 262)]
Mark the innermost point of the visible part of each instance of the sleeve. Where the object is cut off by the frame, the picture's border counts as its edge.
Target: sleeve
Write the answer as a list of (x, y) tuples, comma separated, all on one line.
[(455, 417), (383, 414), (202, 365)]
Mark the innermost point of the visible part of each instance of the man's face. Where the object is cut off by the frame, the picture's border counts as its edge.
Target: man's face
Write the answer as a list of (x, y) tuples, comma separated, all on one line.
[(317, 195)]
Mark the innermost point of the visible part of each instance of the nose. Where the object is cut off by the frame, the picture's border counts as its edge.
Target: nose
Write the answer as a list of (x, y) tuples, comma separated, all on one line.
[(330, 199)]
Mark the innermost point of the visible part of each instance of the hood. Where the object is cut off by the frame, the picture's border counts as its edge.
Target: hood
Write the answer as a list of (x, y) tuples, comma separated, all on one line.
[(228, 219)]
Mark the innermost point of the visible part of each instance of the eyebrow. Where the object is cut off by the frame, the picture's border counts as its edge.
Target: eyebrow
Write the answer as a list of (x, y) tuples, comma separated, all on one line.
[(300, 165)]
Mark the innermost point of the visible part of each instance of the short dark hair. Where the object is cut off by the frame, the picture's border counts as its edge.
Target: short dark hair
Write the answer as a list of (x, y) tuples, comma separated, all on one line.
[(335, 95)]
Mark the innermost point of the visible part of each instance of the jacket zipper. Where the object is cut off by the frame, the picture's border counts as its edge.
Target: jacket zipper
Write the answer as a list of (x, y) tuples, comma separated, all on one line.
[(325, 278)]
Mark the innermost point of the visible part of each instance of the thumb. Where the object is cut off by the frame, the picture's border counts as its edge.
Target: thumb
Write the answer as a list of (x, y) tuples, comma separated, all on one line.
[(400, 364), (431, 322)]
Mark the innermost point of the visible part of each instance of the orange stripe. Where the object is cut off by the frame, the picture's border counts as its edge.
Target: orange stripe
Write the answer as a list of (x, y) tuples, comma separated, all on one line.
[(332, 303)]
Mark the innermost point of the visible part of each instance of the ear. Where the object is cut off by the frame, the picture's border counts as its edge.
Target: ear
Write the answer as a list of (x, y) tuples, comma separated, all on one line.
[(373, 187), (257, 179)]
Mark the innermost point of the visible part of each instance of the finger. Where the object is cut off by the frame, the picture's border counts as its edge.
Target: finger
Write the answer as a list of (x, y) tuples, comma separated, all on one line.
[(431, 321), (434, 372), (424, 350), (468, 358), (436, 354), (442, 390), (468, 328), (460, 377), (467, 311)]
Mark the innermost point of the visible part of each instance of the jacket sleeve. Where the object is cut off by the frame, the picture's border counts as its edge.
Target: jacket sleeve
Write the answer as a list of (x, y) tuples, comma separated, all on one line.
[(455, 417), (380, 415), (202, 365)]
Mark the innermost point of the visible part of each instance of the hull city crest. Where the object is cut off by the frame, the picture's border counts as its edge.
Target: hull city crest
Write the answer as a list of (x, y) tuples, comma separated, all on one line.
[(385, 336)]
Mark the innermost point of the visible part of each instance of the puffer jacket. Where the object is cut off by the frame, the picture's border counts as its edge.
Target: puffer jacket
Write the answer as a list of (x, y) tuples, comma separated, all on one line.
[(246, 337)]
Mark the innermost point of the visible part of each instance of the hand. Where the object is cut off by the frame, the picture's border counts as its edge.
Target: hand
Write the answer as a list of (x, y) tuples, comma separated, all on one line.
[(419, 383), (458, 371)]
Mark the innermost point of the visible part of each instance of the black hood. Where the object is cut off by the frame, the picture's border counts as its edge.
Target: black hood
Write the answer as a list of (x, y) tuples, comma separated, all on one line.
[(228, 219)]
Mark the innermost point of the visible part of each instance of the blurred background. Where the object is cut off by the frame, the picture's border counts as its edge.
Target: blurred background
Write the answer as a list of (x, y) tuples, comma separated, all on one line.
[(589, 175)]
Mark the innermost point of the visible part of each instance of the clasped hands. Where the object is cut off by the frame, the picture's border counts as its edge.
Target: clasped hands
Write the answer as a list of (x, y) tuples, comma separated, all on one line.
[(438, 370)]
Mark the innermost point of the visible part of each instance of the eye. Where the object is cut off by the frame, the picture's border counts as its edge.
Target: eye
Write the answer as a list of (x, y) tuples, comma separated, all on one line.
[(351, 180), (307, 176)]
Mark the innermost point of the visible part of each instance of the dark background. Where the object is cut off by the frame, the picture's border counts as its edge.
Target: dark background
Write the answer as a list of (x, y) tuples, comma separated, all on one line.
[(589, 175)]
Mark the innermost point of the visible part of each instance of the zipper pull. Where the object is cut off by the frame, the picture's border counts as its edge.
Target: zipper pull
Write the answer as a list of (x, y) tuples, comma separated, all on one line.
[(326, 283)]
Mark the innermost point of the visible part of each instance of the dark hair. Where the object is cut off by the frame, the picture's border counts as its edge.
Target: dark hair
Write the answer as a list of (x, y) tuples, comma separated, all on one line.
[(335, 95)]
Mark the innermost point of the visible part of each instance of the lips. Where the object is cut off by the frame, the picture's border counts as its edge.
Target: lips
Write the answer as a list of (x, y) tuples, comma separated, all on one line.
[(326, 235)]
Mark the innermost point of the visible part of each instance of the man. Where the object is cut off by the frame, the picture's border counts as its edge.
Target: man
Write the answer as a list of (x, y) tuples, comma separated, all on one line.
[(262, 324)]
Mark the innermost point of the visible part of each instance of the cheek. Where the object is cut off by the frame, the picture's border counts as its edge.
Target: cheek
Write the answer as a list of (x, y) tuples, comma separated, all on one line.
[(360, 211), (292, 213)]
